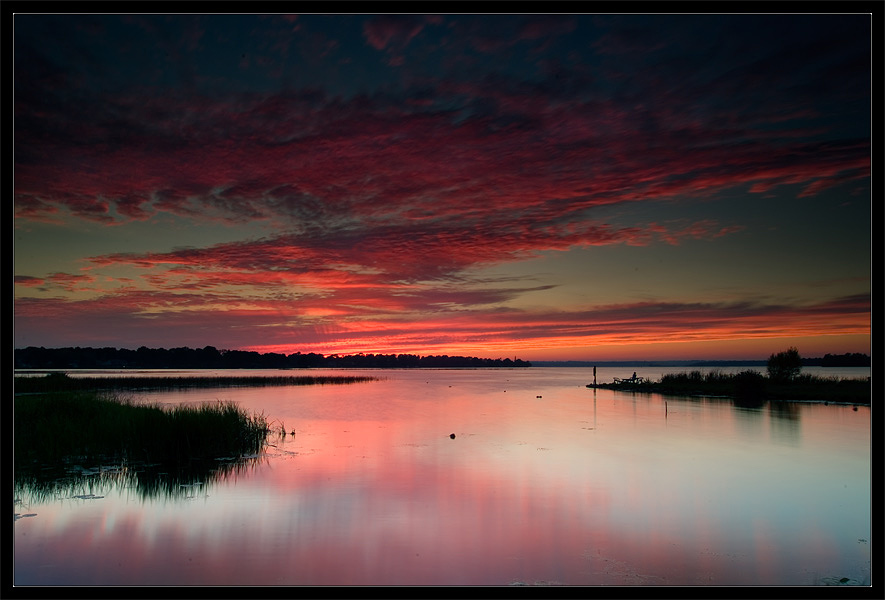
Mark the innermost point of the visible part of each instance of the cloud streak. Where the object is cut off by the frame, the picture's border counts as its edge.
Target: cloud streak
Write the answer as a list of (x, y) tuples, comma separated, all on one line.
[(422, 323)]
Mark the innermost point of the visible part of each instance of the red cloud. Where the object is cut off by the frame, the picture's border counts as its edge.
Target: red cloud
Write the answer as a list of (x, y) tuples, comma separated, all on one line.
[(410, 327), (384, 257), (28, 281), (276, 157)]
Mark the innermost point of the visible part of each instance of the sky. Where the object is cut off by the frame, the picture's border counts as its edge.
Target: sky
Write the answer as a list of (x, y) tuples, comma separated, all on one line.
[(537, 186)]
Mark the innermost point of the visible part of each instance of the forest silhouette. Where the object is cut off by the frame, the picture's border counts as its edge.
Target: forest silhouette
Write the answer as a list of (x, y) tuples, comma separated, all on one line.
[(210, 357)]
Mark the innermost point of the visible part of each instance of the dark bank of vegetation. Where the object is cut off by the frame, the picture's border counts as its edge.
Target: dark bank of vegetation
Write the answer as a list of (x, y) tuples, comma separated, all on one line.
[(852, 359), (94, 426), (783, 382), (210, 357), (61, 382), (79, 444)]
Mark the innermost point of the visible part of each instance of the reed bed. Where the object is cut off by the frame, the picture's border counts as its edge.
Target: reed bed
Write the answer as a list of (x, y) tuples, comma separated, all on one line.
[(829, 389), (91, 426)]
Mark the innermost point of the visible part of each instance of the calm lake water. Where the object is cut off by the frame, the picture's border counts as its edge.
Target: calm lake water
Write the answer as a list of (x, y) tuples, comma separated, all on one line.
[(546, 482)]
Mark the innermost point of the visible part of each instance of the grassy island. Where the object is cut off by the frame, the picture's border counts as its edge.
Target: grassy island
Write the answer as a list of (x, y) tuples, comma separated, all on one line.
[(750, 386)]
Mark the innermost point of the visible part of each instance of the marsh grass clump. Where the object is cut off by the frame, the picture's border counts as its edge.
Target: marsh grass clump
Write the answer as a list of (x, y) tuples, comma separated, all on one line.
[(50, 428), (749, 388), (713, 383), (828, 389), (749, 385), (752, 387), (215, 430)]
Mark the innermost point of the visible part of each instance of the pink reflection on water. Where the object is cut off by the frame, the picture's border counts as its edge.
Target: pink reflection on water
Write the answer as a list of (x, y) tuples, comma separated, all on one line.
[(312, 523), (566, 489)]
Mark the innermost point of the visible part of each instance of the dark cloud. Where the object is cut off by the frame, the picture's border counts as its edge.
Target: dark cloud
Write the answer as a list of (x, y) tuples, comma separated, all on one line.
[(392, 31), (349, 155)]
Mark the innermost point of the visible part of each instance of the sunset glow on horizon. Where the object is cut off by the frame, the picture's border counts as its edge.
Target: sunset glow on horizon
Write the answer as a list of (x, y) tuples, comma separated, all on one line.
[(546, 187)]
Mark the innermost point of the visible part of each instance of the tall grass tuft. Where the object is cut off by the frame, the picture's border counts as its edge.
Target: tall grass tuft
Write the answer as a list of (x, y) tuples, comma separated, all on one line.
[(96, 426), (713, 383)]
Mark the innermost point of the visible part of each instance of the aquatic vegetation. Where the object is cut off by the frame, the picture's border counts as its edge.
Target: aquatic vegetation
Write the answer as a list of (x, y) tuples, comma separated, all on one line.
[(827, 389), (749, 386), (752, 387), (50, 428), (62, 423)]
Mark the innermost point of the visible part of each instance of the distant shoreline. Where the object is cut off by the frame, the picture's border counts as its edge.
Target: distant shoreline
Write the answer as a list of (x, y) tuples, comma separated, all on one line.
[(209, 357)]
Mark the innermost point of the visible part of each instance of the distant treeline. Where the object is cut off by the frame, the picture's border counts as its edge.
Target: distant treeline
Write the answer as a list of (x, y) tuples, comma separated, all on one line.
[(855, 359), (210, 357)]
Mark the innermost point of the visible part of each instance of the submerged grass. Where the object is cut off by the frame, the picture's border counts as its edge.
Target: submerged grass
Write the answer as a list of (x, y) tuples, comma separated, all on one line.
[(93, 425)]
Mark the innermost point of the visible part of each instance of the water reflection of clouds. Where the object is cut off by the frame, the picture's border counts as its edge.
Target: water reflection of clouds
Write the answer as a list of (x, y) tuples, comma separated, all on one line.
[(646, 497), (387, 525)]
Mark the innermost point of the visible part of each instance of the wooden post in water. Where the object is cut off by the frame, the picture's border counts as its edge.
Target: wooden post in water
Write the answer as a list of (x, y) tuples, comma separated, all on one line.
[(594, 374)]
